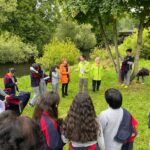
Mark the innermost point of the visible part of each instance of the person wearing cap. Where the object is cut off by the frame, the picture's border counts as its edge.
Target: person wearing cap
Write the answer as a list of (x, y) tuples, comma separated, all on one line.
[(10, 82)]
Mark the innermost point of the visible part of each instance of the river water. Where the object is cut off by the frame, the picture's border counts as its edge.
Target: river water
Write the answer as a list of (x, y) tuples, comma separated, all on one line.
[(22, 69)]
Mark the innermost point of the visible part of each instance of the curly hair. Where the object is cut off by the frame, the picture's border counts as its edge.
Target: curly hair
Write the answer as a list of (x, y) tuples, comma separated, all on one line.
[(19, 133), (80, 124), (49, 103)]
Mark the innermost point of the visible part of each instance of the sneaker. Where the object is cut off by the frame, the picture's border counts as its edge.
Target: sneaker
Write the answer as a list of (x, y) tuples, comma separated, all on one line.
[(31, 105), (122, 85), (142, 83), (125, 86)]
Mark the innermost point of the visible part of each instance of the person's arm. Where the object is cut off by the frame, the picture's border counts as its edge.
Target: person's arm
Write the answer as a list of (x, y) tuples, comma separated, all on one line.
[(34, 70), (87, 67), (62, 71), (8, 84), (102, 121), (55, 75), (2, 93), (100, 139), (64, 139), (130, 61)]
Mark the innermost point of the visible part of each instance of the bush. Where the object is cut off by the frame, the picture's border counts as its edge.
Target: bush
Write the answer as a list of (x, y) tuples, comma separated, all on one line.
[(96, 52), (131, 42), (13, 50), (81, 35), (55, 51), (102, 53)]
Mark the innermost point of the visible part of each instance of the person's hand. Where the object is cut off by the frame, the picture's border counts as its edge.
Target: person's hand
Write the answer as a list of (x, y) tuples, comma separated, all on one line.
[(6, 98)]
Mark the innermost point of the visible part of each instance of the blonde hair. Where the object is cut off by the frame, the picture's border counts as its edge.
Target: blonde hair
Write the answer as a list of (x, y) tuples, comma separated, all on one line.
[(97, 59)]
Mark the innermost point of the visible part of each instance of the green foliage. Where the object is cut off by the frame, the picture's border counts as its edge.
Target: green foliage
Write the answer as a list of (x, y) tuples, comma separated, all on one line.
[(13, 50), (97, 52), (81, 35), (55, 51), (34, 21), (131, 42), (127, 23), (6, 7)]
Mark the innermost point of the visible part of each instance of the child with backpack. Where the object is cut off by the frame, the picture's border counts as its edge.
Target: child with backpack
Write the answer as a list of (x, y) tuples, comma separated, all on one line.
[(119, 126), (46, 115)]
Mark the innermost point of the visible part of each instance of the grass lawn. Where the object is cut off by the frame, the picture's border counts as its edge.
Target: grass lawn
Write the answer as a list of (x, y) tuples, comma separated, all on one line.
[(136, 99)]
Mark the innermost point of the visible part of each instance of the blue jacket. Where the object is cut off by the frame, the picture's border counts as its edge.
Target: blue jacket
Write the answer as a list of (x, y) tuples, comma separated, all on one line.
[(51, 132), (125, 131)]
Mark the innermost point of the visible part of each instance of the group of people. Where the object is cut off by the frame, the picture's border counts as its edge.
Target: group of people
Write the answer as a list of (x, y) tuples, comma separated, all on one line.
[(81, 128), (112, 129), (62, 73)]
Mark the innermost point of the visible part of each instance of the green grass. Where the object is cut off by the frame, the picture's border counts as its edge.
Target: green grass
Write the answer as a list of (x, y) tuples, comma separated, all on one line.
[(136, 99)]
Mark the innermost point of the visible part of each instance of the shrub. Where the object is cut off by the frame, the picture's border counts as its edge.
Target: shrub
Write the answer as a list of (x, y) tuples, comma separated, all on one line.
[(81, 35), (96, 52), (55, 51), (13, 50), (131, 42)]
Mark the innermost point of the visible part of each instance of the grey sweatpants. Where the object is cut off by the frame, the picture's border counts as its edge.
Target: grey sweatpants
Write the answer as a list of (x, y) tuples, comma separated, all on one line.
[(37, 93), (83, 85), (127, 78), (42, 86), (55, 87)]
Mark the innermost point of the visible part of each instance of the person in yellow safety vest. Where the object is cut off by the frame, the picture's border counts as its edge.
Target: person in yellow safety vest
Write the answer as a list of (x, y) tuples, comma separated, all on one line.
[(83, 69), (96, 73)]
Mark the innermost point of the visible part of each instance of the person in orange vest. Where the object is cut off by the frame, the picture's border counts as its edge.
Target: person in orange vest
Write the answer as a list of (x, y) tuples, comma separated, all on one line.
[(64, 77)]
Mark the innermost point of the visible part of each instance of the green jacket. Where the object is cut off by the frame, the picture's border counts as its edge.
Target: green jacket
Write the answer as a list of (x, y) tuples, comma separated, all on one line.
[(84, 69), (96, 72)]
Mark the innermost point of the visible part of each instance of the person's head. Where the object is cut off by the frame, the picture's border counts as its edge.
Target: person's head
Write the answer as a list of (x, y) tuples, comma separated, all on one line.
[(40, 67), (53, 68), (35, 66), (80, 124), (19, 133), (48, 103), (65, 62), (129, 52), (97, 60), (82, 57), (12, 72), (113, 98)]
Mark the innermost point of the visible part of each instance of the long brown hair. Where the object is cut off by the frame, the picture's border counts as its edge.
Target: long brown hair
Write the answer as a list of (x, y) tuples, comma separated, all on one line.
[(80, 124), (48, 103)]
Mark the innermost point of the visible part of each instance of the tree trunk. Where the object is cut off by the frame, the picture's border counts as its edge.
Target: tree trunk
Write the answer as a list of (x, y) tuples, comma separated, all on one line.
[(106, 42), (115, 32), (138, 50)]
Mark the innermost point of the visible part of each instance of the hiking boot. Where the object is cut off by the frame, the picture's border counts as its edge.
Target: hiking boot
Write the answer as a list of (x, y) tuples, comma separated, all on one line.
[(122, 85)]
